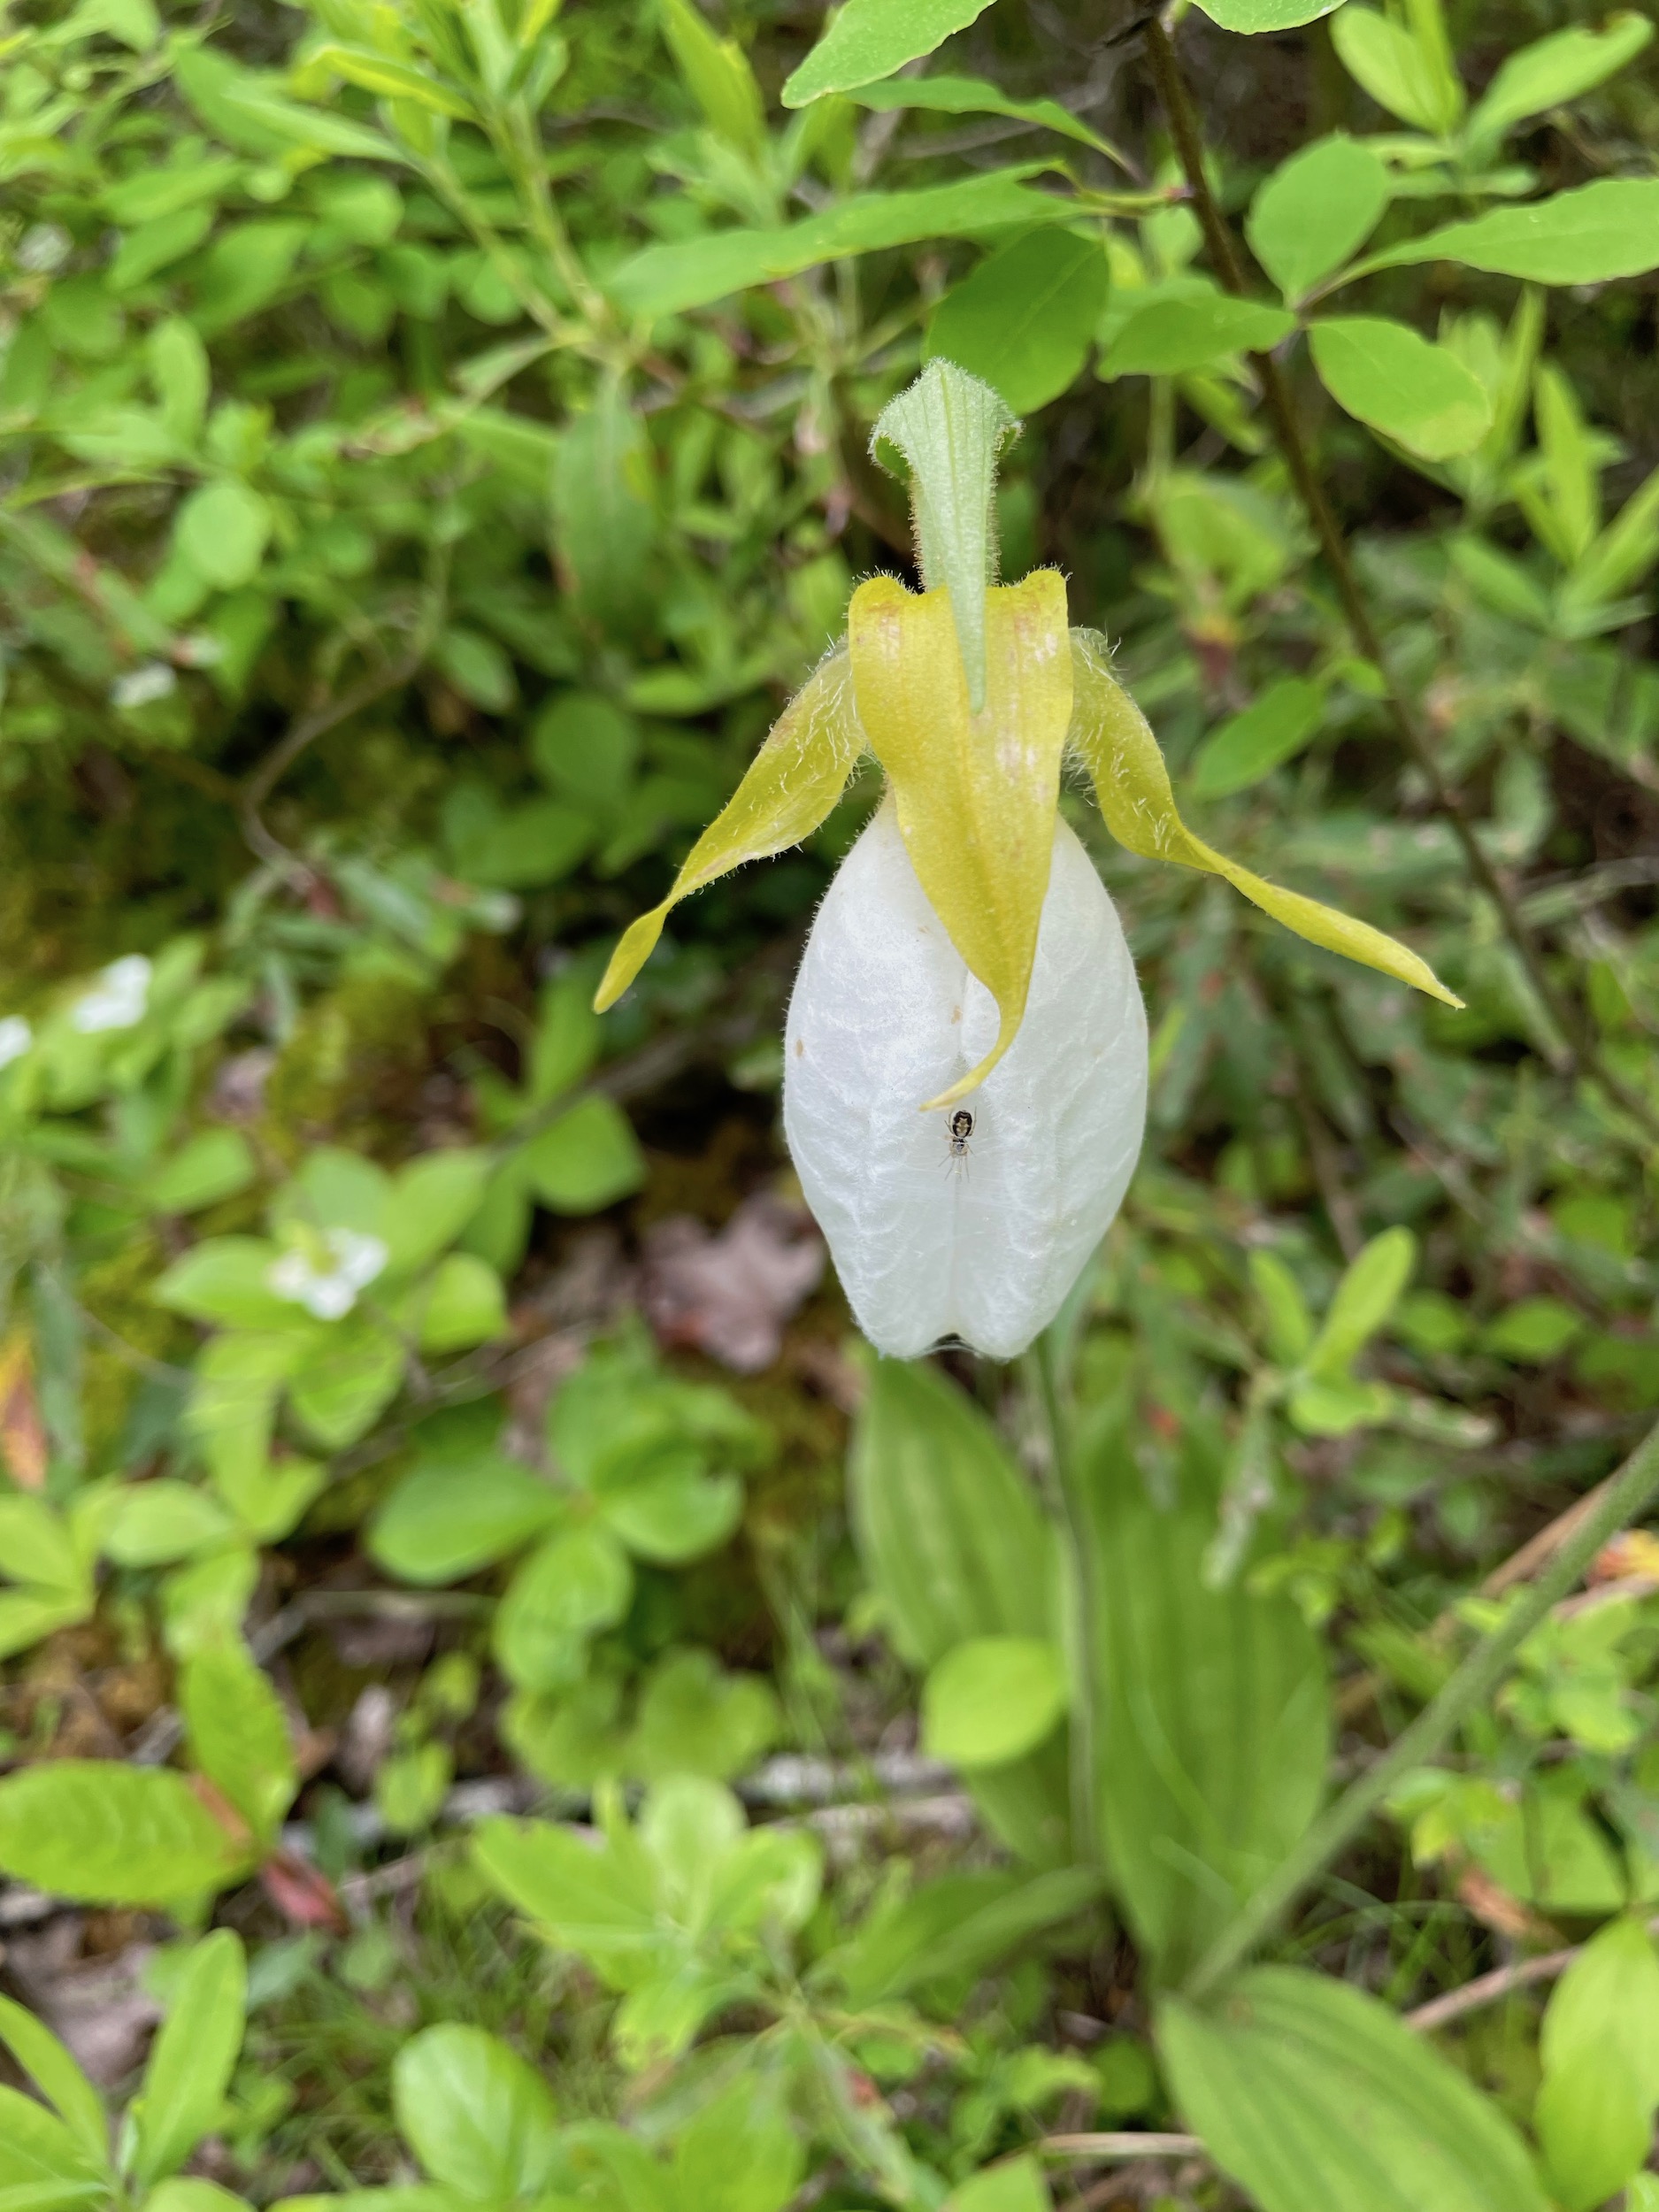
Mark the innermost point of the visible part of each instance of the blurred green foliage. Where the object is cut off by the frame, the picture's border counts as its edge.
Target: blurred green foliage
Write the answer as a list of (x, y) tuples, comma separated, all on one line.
[(434, 448)]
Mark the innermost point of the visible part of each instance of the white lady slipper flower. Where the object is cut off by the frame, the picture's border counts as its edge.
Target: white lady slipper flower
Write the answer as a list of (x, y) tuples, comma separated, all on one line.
[(116, 1000), (965, 1061), (16, 1037), (328, 1292)]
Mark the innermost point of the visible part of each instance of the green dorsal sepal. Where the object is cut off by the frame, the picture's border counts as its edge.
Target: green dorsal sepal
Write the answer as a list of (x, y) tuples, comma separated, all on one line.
[(951, 429)]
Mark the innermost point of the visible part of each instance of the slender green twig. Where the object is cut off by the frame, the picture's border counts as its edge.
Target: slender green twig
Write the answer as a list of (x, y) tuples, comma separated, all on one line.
[(1622, 1500), (1584, 1054)]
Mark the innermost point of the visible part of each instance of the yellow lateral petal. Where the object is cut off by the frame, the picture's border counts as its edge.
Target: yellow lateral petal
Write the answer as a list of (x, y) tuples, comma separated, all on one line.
[(790, 785), (1110, 736), (976, 792)]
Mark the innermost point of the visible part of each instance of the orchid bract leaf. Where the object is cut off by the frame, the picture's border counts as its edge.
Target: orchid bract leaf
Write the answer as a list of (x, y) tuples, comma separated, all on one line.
[(790, 785), (1110, 736), (951, 428), (975, 792)]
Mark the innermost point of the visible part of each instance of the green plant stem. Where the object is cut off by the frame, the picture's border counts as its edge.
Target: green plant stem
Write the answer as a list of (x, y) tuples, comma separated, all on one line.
[(1051, 1396), (1621, 1501), (1583, 1053)]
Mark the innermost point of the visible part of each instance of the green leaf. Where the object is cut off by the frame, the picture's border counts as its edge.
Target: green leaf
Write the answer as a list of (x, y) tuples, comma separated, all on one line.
[(957, 1926), (463, 1305), (868, 39), (1250, 745), (1599, 2050), (990, 1699), (1023, 322), (36, 1546), (1589, 235), (1171, 337), (102, 1833), (227, 1280), (1621, 556), (972, 95), (432, 1200), (675, 1514), (740, 2152), (238, 1733), (696, 1718), (392, 80), (599, 1903), (1553, 71), (155, 1524), (1315, 210), (666, 279), (453, 1514), (1211, 1716), (1310, 2095), (215, 1163), (39, 2053), (1365, 1297), (222, 530), (577, 1582), (144, 252), (43, 2163), (587, 1160), (1408, 74), (478, 2119), (191, 2059), (349, 1379), (603, 518), (1388, 376), (718, 77), (1015, 2185)]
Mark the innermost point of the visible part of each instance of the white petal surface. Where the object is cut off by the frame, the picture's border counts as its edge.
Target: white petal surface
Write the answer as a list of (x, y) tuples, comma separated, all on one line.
[(884, 1015)]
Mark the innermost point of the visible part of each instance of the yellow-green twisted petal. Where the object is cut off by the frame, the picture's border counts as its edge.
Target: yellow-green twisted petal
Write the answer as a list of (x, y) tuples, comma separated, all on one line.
[(1110, 736), (791, 785), (976, 792)]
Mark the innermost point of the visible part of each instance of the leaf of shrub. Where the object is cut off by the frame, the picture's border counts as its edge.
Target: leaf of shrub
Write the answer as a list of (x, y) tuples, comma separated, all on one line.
[(1170, 337), (1315, 210), (1024, 320), (666, 279), (1272, 729), (1397, 382), (1589, 235), (868, 39)]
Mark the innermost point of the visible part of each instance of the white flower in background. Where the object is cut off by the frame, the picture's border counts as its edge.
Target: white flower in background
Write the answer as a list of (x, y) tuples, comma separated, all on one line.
[(117, 999), (981, 1242), (154, 679), (351, 1261), (16, 1037)]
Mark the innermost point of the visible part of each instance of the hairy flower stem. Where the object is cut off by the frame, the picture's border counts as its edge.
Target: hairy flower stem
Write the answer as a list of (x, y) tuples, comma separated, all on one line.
[(1583, 1050), (1623, 1501), (1047, 1364)]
